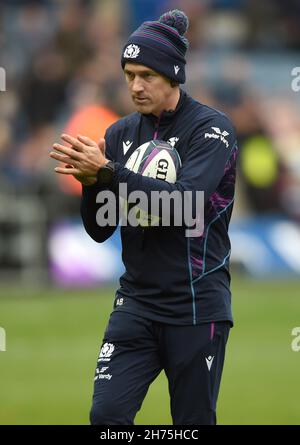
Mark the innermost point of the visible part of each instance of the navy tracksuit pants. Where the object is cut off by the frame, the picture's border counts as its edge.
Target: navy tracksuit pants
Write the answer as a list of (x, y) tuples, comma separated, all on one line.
[(133, 353)]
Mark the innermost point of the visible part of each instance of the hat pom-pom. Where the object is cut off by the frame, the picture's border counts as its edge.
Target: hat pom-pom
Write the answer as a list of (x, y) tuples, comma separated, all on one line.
[(176, 19)]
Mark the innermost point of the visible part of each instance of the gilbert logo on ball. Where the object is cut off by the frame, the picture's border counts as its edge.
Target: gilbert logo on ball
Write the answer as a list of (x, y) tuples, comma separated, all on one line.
[(156, 159)]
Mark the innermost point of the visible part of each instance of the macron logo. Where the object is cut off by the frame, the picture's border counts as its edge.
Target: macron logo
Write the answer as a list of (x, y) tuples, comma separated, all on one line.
[(176, 69), (126, 146), (209, 361)]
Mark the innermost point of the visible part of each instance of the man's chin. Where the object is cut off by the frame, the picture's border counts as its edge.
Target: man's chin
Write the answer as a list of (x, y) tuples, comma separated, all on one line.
[(144, 109)]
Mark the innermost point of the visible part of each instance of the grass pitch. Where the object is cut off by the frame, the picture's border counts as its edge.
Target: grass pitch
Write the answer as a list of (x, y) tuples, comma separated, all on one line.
[(53, 338)]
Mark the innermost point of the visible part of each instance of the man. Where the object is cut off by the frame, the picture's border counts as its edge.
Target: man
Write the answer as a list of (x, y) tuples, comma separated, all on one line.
[(172, 311)]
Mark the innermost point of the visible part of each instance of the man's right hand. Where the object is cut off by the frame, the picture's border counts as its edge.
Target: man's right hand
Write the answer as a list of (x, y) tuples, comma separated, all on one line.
[(86, 180)]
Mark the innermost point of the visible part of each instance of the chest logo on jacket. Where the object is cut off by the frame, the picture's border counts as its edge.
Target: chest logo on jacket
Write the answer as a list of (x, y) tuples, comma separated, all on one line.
[(218, 134), (172, 141), (126, 146)]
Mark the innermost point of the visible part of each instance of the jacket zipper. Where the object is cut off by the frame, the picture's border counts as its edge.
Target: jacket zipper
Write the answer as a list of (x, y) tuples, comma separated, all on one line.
[(156, 127)]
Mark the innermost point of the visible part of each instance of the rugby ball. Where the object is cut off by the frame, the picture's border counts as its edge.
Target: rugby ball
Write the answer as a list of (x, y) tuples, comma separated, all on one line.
[(155, 159)]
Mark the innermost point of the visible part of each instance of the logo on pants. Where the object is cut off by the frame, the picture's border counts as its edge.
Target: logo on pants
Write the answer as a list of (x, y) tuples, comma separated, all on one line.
[(99, 375), (209, 361), (106, 352)]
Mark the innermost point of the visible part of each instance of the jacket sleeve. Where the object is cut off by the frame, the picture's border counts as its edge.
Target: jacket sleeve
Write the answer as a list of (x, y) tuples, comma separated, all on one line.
[(202, 168), (89, 206)]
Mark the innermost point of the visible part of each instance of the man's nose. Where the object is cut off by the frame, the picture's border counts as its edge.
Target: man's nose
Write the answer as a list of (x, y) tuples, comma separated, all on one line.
[(137, 85)]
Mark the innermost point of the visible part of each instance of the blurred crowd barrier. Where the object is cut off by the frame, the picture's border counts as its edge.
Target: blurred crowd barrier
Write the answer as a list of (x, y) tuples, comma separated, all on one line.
[(60, 71)]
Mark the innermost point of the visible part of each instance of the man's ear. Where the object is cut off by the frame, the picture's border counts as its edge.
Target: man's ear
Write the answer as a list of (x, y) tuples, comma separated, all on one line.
[(174, 84)]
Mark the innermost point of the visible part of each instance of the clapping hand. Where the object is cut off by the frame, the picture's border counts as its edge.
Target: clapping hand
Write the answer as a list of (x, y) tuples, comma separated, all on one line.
[(82, 160)]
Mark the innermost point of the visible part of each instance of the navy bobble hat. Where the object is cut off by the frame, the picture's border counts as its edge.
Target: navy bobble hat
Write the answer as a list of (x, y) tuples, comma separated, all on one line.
[(160, 45)]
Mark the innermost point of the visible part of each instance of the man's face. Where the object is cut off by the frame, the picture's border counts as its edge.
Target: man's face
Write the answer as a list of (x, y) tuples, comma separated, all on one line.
[(150, 91)]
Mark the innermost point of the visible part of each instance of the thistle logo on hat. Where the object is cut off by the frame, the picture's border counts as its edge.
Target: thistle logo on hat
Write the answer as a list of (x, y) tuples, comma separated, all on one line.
[(160, 45), (131, 51)]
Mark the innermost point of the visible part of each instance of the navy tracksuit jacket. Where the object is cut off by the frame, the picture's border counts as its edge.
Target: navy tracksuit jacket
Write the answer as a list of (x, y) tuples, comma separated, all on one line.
[(170, 278)]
